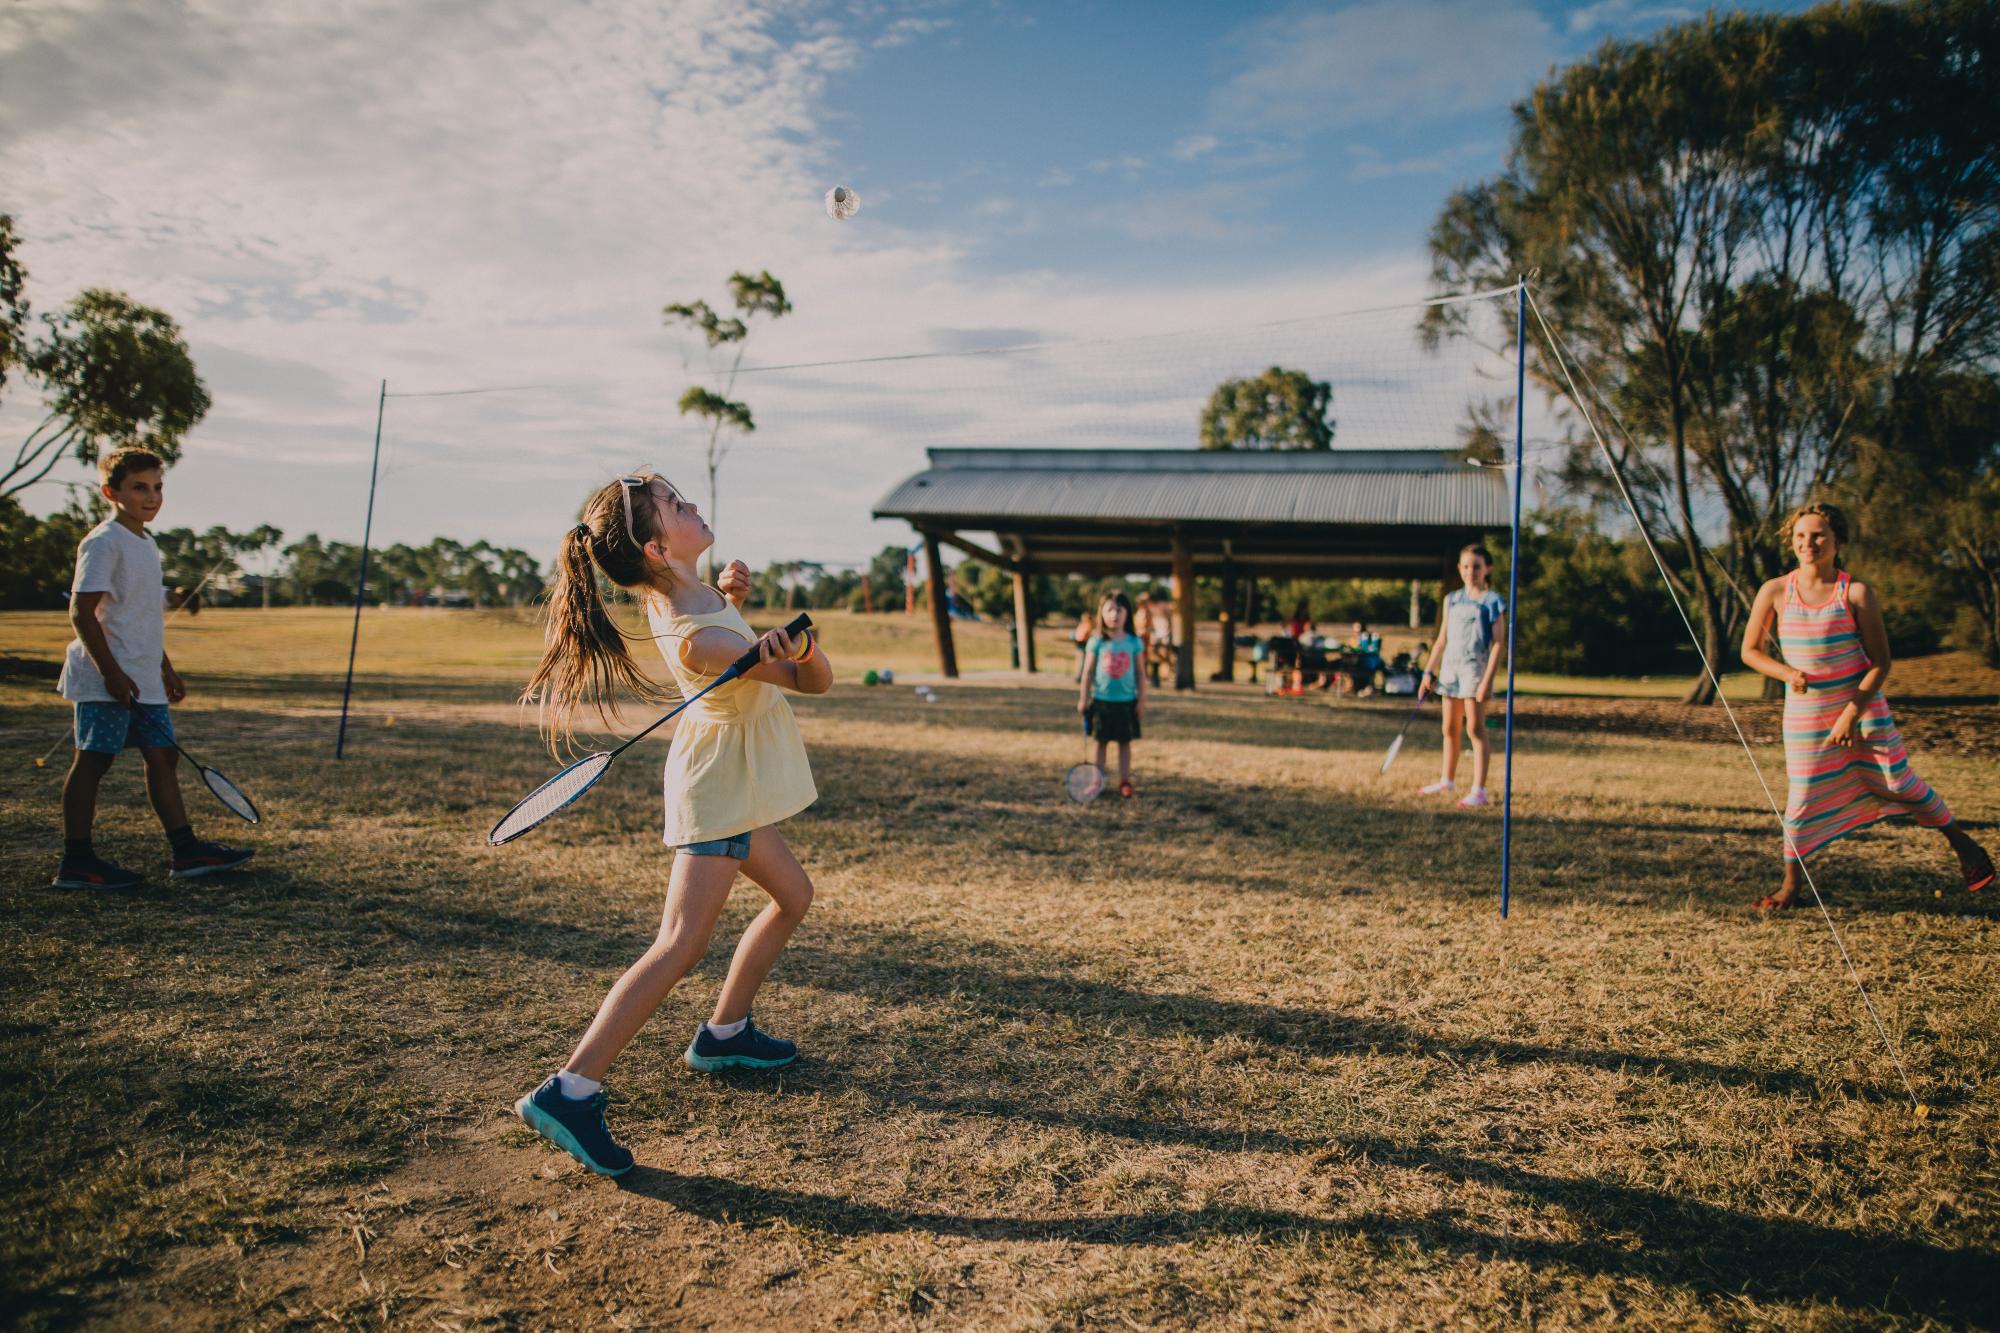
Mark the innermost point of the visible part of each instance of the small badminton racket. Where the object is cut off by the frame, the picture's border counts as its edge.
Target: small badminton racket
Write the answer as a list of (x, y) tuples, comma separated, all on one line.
[(1084, 781), (565, 788), (1396, 746), (232, 796)]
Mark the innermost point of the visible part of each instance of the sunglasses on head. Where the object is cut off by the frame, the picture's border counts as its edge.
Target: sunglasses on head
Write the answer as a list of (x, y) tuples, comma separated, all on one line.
[(641, 481)]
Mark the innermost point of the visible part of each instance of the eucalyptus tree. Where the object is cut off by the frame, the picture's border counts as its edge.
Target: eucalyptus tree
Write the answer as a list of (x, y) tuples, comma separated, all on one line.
[(723, 340)]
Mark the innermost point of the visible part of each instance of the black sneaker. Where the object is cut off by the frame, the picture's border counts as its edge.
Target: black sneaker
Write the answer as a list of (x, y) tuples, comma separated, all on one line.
[(205, 858), (748, 1049), (575, 1126), (94, 872)]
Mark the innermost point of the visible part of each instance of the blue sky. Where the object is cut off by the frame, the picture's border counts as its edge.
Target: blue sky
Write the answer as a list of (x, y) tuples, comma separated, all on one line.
[(503, 193)]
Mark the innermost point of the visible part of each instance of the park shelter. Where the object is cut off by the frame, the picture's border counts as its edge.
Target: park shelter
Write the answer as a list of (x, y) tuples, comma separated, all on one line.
[(1235, 515)]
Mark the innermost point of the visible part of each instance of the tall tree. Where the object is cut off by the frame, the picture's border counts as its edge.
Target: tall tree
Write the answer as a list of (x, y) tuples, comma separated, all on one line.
[(1279, 409), (1750, 230), (113, 373), (723, 342)]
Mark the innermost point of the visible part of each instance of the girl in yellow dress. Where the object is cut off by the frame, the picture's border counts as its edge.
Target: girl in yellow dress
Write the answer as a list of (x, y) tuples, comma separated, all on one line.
[(736, 768)]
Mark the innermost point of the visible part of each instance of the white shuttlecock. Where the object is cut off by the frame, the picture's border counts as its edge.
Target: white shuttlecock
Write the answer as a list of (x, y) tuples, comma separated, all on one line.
[(842, 203)]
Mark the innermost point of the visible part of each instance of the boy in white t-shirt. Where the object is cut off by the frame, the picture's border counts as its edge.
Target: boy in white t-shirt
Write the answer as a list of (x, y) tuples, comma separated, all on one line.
[(117, 674)]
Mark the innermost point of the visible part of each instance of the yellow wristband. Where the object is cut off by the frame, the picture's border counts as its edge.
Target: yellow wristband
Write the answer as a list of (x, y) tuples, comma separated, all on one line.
[(805, 648)]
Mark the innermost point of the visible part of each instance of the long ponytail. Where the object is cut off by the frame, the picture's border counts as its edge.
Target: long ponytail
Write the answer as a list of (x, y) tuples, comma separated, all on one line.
[(584, 658)]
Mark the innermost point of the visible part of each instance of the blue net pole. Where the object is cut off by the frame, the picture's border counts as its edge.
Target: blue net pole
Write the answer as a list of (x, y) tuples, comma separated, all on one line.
[(1514, 590), (361, 584)]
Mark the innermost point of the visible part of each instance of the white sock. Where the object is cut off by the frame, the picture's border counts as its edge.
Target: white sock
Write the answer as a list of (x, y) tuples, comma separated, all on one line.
[(575, 1086), (724, 1031)]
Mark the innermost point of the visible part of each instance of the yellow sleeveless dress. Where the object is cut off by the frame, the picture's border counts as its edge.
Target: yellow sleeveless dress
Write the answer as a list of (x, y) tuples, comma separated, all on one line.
[(737, 761)]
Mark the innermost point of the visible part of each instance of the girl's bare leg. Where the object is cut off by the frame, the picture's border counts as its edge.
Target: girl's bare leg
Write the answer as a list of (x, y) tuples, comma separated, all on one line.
[(774, 869), (1101, 746), (1124, 762), (1454, 718), (1475, 731), (695, 894)]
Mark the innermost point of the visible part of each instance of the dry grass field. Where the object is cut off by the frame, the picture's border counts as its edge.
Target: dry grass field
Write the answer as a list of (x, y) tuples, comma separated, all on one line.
[(1252, 1049)]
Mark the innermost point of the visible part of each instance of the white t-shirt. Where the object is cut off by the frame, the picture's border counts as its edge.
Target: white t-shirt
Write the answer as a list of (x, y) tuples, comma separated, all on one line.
[(113, 560)]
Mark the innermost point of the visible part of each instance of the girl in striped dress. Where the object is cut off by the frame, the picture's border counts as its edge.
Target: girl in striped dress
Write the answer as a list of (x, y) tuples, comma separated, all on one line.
[(1843, 755)]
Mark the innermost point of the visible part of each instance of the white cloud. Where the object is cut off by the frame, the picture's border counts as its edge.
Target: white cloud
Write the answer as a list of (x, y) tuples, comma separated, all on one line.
[(1407, 61), (1055, 178), (507, 194), (1194, 146), (903, 31), (1626, 14), (1369, 163)]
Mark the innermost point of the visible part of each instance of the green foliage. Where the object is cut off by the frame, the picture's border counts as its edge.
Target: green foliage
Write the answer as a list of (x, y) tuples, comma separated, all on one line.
[(13, 303), (1590, 605), (1768, 238), (113, 373), (1279, 409), (717, 409), (38, 556)]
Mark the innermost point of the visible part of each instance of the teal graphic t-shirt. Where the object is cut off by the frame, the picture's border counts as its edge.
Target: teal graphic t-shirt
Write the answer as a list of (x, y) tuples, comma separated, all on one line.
[(1117, 678)]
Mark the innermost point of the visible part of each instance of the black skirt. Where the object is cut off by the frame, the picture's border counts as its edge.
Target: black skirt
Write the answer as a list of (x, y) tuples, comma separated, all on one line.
[(1111, 720)]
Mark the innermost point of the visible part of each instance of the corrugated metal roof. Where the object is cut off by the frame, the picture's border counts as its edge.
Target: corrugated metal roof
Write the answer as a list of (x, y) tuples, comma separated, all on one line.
[(981, 487)]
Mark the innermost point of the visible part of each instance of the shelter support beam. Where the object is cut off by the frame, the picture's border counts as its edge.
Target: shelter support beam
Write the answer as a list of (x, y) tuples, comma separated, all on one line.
[(1024, 622), (978, 552), (940, 608), (1227, 669), (1183, 613)]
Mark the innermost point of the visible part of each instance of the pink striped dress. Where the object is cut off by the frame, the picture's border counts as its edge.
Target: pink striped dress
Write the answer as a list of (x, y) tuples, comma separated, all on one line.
[(1835, 791)]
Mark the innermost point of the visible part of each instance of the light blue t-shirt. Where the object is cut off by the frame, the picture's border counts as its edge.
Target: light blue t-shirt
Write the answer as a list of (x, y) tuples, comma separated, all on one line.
[(1469, 618), (1117, 677)]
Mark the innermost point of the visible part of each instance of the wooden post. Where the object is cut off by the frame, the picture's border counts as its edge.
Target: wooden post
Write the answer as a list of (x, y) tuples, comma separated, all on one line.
[(940, 610), (1024, 623), (1250, 616), (1416, 604), (1184, 613), (1227, 671)]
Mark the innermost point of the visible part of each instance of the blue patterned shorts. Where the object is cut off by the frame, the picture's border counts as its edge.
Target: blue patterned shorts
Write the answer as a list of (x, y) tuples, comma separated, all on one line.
[(107, 728), (737, 847)]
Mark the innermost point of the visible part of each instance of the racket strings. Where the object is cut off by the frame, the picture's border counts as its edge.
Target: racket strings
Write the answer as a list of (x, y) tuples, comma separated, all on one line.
[(230, 795), (550, 797)]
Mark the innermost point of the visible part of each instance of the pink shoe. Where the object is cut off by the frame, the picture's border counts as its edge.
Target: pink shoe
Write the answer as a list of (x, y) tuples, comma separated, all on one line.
[(1475, 798), (1442, 787)]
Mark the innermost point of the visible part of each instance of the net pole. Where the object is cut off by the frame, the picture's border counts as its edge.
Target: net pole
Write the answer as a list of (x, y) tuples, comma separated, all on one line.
[(1514, 589), (361, 583)]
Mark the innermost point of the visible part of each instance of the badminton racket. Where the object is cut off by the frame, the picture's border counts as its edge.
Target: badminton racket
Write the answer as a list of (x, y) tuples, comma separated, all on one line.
[(565, 788), (1396, 746), (1084, 781), (232, 796)]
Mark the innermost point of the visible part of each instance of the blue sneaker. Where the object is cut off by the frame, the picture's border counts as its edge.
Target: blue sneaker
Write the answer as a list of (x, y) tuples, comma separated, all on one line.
[(577, 1127), (748, 1049)]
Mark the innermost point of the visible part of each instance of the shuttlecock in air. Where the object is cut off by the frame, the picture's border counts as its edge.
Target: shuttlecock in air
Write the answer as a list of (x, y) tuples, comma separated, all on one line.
[(842, 203)]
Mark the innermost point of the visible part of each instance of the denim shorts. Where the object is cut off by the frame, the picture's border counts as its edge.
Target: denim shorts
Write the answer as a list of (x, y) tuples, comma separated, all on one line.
[(737, 847), (103, 727)]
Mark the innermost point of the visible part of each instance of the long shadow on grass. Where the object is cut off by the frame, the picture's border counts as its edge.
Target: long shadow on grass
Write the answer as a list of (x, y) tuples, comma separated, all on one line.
[(889, 967), (1699, 1247)]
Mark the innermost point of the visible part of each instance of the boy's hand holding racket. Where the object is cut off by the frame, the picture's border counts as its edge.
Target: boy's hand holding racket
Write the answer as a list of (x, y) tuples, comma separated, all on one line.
[(121, 687), (177, 689)]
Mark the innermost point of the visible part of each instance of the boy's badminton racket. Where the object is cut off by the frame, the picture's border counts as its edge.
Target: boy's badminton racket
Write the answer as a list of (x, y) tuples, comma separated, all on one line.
[(1084, 781), (225, 791), (1396, 746), (562, 790)]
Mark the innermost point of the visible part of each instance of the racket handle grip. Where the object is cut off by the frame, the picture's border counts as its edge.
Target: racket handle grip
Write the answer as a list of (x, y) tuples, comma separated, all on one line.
[(800, 623)]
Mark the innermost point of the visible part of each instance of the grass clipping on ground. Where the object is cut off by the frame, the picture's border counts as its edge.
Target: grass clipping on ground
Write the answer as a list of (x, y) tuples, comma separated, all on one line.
[(1253, 1047)]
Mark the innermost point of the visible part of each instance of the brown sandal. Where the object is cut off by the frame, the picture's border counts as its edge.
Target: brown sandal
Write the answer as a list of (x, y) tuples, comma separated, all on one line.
[(1771, 902)]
